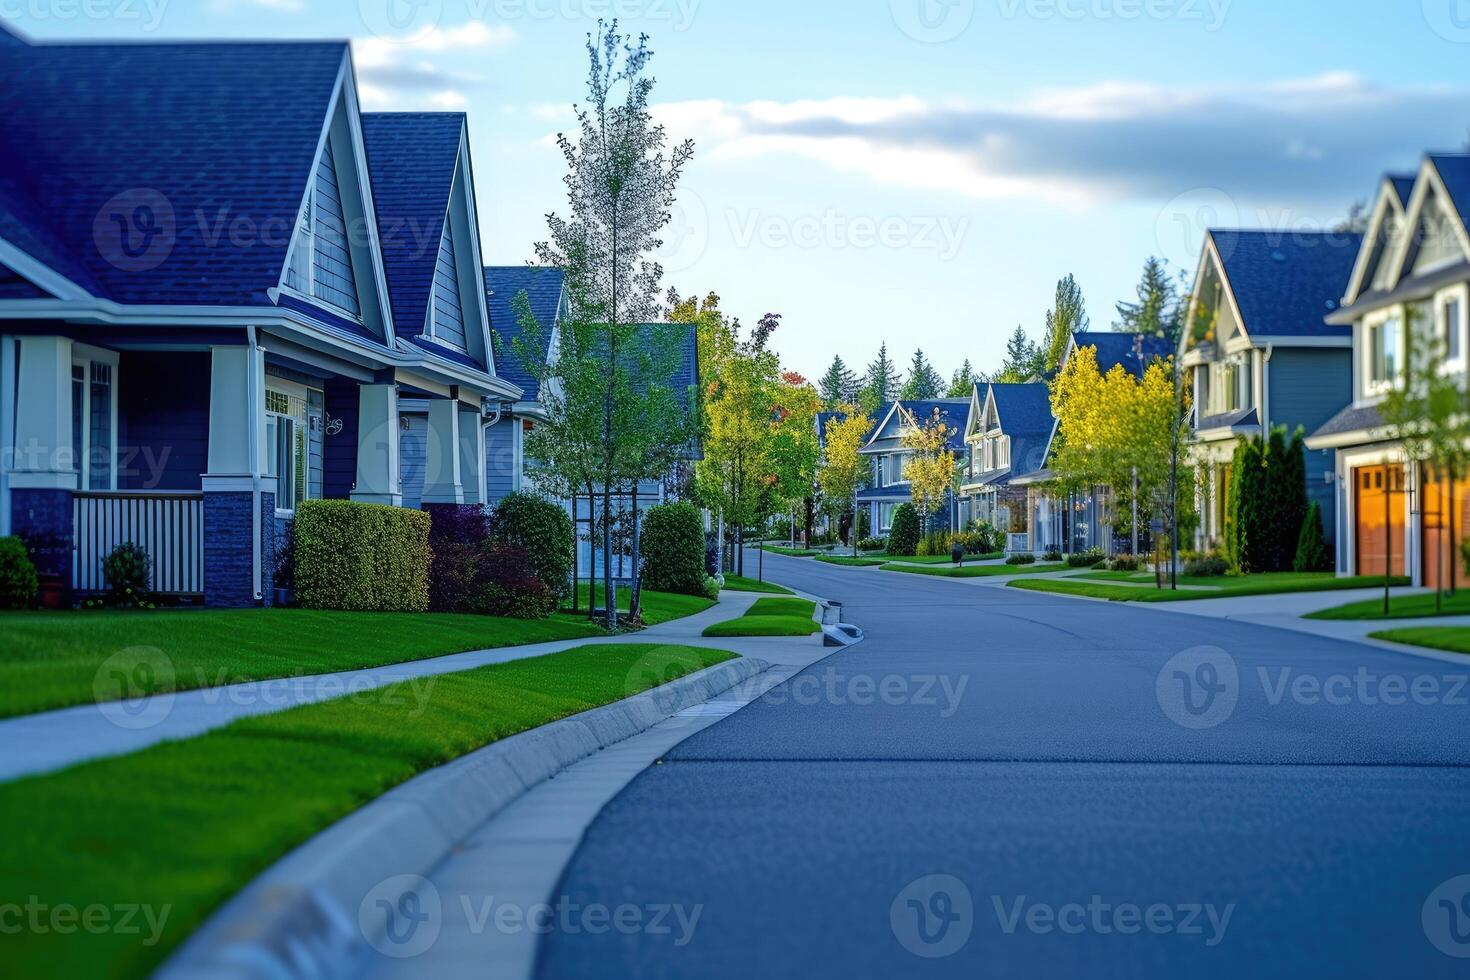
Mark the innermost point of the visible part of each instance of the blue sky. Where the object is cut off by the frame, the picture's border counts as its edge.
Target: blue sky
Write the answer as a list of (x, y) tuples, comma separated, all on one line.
[(918, 172)]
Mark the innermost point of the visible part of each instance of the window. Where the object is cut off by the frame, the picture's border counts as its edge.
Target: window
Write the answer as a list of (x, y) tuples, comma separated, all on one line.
[(1383, 352), (320, 266), (94, 424), (1452, 326), (286, 447), (1229, 387)]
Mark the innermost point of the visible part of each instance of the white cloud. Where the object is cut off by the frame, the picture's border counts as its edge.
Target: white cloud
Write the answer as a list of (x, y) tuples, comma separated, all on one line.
[(399, 75)]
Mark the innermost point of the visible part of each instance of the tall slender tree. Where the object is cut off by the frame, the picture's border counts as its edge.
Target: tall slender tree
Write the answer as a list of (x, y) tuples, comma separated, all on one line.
[(839, 386), (963, 381), (1023, 361), (923, 382), (1158, 311), (880, 384), (1067, 316)]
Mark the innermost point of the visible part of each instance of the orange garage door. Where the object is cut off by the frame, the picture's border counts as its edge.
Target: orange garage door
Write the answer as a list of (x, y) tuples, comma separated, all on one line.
[(1379, 518), (1445, 502)]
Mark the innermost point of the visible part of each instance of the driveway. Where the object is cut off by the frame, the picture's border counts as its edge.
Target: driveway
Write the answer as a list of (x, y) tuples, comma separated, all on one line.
[(999, 783)]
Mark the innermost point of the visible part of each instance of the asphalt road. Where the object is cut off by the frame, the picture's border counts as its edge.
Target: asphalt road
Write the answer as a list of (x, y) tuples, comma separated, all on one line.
[(1004, 784)]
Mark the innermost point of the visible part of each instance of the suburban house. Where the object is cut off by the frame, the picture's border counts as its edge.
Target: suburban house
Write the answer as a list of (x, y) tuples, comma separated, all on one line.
[(1412, 272), (889, 487), (823, 521), (1080, 521), (1009, 428), (505, 434), (203, 321), (1263, 354)]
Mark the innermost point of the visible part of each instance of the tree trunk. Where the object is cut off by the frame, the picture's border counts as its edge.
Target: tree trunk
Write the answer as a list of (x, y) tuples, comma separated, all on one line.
[(635, 597), (576, 583), (591, 553)]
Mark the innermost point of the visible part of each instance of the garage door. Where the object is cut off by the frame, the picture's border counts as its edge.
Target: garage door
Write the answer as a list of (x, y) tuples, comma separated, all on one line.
[(1444, 503), (1380, 519)]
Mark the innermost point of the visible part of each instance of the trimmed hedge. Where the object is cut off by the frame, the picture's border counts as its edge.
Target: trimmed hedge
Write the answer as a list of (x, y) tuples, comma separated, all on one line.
[(19, 583), (672, 549), (361, 557), (544, 530)]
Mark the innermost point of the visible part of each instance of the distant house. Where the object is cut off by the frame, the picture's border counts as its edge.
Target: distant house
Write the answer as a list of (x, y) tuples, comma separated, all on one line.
[(204, 318), (823, 523), (1411, 271), (1009, 428), (889, 487), (1263, 354)]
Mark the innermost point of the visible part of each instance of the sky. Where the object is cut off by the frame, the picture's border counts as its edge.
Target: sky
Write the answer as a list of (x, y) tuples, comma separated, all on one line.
[(911, 172)]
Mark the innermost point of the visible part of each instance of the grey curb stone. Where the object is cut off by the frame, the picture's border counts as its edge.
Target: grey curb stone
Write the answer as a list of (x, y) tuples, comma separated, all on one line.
[(300, 918)]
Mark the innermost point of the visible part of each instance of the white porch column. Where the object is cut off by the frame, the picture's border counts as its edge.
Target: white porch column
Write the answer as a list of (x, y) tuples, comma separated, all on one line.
[(441, 465), (471, 455), (44, 458), (377, 446), (236, 403)]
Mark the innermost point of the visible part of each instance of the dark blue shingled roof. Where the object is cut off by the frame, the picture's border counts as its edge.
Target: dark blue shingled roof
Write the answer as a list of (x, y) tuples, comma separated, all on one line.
[(543, 286), (1454, 170), (954, 412), (1117, 348), (1024, 409), (220, 131), (411, 159), (824, 417), (1285, 283), (1403, 186)]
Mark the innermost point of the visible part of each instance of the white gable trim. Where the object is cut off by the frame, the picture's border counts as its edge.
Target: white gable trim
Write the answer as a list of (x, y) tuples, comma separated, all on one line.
[(472, 271), (1388, 200), (977, 413), (878, 431), (39, 274), (1429, 180), (1210, 255)]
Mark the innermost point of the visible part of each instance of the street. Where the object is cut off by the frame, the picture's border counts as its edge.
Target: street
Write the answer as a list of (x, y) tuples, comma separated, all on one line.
[(1004, 784)]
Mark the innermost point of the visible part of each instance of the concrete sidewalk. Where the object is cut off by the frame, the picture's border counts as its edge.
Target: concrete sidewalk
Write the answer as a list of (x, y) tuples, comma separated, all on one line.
[(52, 740)]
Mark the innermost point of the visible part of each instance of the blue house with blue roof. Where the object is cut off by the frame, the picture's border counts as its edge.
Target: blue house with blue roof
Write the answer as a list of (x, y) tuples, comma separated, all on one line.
[(889, 488), (1411, 273), (1262, 353), (207, 315), (1010, 427)]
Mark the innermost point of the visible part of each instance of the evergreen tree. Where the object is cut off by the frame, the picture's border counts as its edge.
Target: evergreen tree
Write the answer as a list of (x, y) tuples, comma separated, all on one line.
[(1311, 548), (880, 384), (963, 382), (839, 386), (1158, 312), (924, 382), (1023, 359), (1067, 316)]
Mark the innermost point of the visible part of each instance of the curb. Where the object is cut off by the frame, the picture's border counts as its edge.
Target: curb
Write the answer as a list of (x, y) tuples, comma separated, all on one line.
[(314, 911)]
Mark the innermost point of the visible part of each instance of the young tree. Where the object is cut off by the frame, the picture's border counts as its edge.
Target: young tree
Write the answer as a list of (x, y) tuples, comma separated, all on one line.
[(931, 465), (1158, 312), (621, 185), (963, 382), (795, 451), (880, 384), (1024, 359), (924, 382), (839, 386), (843, 467), (1067, 316)]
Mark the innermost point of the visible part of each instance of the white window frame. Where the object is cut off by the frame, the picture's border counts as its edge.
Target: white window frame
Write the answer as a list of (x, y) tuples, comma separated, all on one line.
[(272, 421), (1455, 294), (1374, 387), (85, 356)]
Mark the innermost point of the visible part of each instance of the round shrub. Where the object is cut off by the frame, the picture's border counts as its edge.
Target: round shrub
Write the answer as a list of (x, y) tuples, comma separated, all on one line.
[(458, 555), (712, 587), (873, 544), (544, 530), (126, 572), (672, 549), (1086, 559), (1206, 566), (1124, 563), (1053, 554), (903, 537), (1021, 559), (512, 587), (19, 585)]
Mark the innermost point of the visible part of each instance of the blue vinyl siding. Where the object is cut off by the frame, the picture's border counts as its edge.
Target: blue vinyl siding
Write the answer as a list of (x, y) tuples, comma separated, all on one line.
[(332, 263), (500, 468), (413, 451), (163, 420), (448, 317), (1308, 387)]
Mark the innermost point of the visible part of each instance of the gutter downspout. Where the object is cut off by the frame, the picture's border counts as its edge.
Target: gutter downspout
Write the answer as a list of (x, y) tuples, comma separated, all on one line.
[(253, 428), (1266, 390)]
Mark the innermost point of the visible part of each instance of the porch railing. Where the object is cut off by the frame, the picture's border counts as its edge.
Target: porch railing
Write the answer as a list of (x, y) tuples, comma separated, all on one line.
[(168, 526)]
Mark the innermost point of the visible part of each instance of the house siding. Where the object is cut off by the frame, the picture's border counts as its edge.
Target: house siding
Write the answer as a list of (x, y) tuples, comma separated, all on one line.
[(413, 455), (500, 459), (1306, 389)]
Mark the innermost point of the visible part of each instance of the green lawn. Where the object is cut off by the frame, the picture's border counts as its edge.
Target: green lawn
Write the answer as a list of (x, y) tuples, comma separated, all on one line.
[(1271, 583), (658, 607), (791, 552), (1453, 639), (976, 571), (851, 562), (771, 617), (52, 659), (739, 583), (184, 825), (1401, 607)]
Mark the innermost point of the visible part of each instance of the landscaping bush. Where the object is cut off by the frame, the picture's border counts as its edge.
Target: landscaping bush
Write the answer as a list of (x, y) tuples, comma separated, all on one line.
[(712, 553), (458, 556), (361, 557), (712, 587), (983, 539), (1311, 547), (19, 584), (673, 550), (903, 537), (934, 543), (1086, 559), (1207, 566), (544, 530), (1054, 554), (873, 544), (512, 588), (1125, 563), (1022, 559), (126, 571)]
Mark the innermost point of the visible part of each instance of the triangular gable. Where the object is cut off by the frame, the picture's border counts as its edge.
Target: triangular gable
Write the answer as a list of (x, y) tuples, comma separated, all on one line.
[(1384, 226), (882, 427), (334, 259), (461, 312), (1435, 231), (447, 312), (977, 412), (1211, 269)]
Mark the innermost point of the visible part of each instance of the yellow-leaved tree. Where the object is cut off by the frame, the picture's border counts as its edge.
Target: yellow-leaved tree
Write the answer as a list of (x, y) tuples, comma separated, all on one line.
[(930, 469), (842, 468)]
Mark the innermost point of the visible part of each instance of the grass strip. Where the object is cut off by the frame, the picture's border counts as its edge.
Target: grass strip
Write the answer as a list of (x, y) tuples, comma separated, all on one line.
[(1271, 583), (771, 617), (1452, 639), (976, 571), (739, 583), (1400, 607)]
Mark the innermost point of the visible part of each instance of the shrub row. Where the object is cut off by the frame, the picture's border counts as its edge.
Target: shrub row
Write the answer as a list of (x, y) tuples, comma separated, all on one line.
[(360, 557)]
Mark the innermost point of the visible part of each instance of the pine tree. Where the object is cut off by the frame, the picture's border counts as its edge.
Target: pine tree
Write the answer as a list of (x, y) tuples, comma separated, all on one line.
[(1067, 316), (963, 382), (1023, 359), (1158, 312), (1311, 547), (880, 384), (839, 386), (924, 382)]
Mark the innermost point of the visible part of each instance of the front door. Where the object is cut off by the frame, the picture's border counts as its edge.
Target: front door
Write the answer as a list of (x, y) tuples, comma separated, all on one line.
[(1379, 519)]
